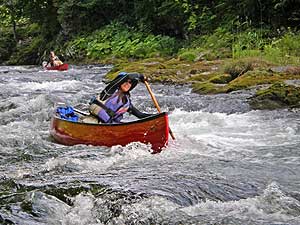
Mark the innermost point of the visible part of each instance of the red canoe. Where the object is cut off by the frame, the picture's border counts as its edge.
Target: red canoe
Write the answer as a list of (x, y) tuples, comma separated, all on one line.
[(153, 130), (61, 67)]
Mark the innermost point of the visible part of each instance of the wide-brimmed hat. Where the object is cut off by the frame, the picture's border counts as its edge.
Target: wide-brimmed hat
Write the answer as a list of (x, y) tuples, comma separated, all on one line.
[(117, 82)]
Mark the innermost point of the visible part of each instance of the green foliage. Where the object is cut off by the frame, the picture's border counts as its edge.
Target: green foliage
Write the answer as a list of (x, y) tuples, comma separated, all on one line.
[(273, 54), (11, 11), (210, 46), (281, 50), (77, 17), (219, 38), (120, 41), (248, 43), (165, 17), (7, 44), (284, 50), (290, 44), (27, 52), (188, 55), (5, 18)]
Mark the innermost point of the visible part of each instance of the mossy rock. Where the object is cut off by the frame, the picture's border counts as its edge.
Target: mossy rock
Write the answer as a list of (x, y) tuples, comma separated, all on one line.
[(221, 79), (207, 77), (156, 64), (253, 78), (291, 70), (279, 95), (207, 88), (258, 77), (238, 68)]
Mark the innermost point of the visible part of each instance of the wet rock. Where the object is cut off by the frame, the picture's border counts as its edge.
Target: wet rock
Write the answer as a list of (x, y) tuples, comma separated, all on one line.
[(6, 106), (278, 95), (293, 70), (293, 82)]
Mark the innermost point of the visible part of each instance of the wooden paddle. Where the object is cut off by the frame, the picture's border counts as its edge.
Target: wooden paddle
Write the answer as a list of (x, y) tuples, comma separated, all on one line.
[(81, 112), (156, 105)]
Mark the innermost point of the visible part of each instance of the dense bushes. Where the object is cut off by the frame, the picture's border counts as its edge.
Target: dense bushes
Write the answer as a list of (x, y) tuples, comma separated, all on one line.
[(116, 40), (7, 44), (282, 48)]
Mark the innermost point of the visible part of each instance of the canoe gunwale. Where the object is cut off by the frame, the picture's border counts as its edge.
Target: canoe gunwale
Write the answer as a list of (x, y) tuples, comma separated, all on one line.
[(61, 67), (149, 118)]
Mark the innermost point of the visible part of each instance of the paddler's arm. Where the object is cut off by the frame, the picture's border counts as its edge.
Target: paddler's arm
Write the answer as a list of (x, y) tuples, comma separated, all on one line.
[(46, 65), (134, 111)]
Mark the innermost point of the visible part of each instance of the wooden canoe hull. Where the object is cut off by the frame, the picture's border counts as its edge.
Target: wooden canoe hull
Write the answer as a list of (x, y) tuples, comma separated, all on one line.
[(153, 130), (61, 67)]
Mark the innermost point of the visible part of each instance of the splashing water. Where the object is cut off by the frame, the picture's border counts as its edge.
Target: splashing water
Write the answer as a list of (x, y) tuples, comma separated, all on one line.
[(228, 165)]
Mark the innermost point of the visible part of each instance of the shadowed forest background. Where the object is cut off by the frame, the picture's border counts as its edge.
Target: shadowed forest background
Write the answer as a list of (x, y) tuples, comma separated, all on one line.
[(103, 30)]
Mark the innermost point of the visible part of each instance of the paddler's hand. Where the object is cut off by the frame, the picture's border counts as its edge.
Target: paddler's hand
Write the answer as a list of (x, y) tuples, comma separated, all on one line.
[(137, 76), (142, 78)]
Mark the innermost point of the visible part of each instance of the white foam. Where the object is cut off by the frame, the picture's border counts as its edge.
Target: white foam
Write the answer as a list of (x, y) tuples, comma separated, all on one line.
[(222, 133), (272, 205), (118, 156), (45, 86)]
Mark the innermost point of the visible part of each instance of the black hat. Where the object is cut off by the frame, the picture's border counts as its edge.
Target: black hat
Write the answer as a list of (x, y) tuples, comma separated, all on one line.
[(117, 82)]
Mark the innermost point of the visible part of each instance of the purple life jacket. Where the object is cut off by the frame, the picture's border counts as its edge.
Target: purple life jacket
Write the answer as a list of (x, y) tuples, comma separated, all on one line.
[(117, 106)]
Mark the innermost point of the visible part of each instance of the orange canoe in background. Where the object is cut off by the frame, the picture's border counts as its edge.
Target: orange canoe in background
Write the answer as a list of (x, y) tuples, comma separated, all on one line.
[(153, 130), (61, 67)]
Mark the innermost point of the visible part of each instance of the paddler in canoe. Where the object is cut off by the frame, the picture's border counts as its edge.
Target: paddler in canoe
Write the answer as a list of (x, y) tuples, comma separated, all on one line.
[(105, 119), (53, 60), (110, 105)]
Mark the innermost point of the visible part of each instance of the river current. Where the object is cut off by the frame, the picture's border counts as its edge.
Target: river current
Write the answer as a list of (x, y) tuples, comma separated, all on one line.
[(228, 164)]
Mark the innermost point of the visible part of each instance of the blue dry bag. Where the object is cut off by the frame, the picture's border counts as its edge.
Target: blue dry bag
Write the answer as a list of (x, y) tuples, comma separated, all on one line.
[(67, 113)]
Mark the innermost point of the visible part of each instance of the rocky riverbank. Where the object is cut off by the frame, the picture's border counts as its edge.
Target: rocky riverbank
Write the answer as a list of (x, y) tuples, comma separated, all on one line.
[(276, 86)]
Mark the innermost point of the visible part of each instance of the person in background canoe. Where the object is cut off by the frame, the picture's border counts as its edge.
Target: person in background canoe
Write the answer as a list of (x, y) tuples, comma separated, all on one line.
[(114, 100), (54, 60)]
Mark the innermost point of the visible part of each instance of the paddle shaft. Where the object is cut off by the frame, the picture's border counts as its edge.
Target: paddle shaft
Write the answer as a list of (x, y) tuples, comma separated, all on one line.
[(81, 112), (156, 105)]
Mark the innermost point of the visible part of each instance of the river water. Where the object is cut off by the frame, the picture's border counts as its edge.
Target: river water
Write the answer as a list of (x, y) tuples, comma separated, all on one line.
[(228, 164)]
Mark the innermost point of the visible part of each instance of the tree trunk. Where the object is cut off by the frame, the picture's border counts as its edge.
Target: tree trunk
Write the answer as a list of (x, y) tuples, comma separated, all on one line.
[(14, 26)]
